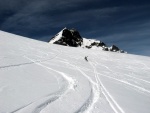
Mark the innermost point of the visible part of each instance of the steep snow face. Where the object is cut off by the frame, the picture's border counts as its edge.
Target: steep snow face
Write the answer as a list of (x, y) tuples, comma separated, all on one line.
[(57, 37), (38, 77), (71, 37)]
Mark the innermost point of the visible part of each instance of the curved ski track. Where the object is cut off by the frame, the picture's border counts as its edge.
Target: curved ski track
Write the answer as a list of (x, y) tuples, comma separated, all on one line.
[(97, 88), (88, 105), (42, 103), (114, 105)]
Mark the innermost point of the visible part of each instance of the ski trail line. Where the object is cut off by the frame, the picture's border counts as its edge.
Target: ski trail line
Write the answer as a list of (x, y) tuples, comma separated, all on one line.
[(95, 90), (127, 75), (70, 80), (125, 82), (109, 101), (107, 93), (137, 78), (122, 111), (26, 63)]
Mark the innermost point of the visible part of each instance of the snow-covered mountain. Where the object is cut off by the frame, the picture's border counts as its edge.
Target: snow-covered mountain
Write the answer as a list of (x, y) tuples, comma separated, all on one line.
[(38, 77), (71, 37)]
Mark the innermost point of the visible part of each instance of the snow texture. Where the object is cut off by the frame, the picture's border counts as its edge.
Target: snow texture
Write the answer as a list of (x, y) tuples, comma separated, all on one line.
[(38, 77)]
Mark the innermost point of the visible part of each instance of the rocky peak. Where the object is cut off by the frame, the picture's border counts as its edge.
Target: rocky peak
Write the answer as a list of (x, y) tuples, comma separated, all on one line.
[(68, 37), (71, 37)]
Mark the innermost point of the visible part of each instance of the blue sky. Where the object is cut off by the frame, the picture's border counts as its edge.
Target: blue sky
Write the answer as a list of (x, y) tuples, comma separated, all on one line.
[(125, 23)]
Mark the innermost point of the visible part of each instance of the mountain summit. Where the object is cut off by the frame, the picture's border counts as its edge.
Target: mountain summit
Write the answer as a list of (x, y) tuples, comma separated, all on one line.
[(71, 37), (67, 37)]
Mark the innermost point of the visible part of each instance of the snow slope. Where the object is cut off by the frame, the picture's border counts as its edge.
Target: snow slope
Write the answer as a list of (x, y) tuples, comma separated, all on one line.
[(38, 77)]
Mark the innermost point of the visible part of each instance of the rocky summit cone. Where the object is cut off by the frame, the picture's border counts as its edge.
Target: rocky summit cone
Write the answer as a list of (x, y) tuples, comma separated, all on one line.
[(72, 38), (67, 37)]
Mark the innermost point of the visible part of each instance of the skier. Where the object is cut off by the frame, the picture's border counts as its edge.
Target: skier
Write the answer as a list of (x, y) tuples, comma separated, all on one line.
[(86, 58)]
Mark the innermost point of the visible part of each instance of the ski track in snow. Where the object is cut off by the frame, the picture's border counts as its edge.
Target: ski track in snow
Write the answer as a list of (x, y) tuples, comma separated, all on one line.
[(127, 83), (95, 93), (126, 74), (37, 106), (137, 78), (97, 88), (27, 63), (89, 103), (16, 65), (42, 105), (113, 104), (48, 99)]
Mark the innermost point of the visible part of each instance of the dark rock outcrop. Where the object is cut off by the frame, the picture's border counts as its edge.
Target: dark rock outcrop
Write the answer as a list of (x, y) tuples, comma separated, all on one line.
[(70, 38), (105, 49), (114, 48), (97, 44), (88, 47)]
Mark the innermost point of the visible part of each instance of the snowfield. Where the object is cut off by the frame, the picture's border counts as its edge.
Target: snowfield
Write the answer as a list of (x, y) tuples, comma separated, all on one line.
[(38, 77)]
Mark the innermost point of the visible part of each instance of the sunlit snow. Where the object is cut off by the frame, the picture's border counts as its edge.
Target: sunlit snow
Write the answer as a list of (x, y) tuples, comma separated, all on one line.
[(38, 77)]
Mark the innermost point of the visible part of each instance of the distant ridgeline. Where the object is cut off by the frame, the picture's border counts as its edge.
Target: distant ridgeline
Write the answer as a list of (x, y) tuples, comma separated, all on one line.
[(71, 37)]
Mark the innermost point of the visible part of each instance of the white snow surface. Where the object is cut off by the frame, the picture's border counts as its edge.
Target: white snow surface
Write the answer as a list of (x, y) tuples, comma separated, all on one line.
[(88, 42), (38, 77), (56, 37)]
